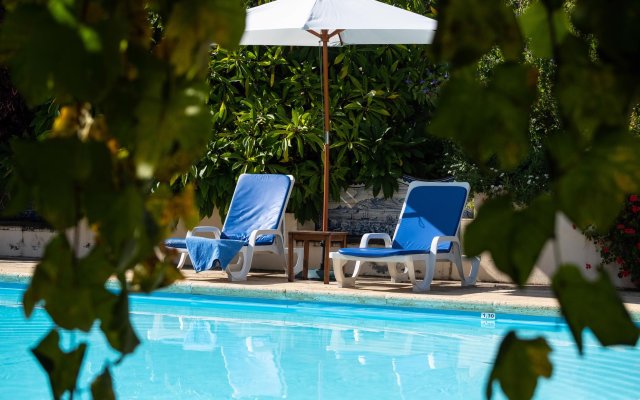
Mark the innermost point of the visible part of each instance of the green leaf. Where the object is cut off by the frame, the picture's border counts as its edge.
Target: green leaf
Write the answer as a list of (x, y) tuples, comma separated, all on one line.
[(148, 278), (353, 106), (62, 367), (491, 120), (194, 24), (579, 79), (164, 146), (54, 55), (595, 305), (73, 292), (466, 33), (117, 327), (514, 237), (102, 386), (518, 365), (597, 181), (39, 165), (535, 26), (55, 264), (56, 172), (615, 31)]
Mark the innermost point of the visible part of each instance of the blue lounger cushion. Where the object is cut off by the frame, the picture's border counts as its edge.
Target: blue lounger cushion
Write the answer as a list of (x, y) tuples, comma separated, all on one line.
[(249, 211), (176, 243), (379, 252)]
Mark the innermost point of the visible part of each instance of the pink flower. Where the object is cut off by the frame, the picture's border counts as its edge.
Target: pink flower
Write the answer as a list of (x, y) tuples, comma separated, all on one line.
[(625, 273), (619, 260), (588, 266), (620, 226), (606, 249), (630, 231), (635, 209), (633, 197)]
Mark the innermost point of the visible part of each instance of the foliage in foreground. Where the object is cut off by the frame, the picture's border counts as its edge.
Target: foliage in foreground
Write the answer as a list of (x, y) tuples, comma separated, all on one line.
[(132, 114), (132, 117), (593, 156)]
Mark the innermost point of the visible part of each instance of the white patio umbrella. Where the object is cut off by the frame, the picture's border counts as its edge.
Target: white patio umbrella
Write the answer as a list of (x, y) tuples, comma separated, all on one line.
[(333, 23)]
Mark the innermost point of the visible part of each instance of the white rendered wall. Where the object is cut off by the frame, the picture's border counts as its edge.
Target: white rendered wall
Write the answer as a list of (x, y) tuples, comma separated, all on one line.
[(16, 242)]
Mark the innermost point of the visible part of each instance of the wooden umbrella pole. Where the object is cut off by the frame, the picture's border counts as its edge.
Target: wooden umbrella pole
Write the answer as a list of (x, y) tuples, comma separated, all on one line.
[(327, 121), (324, 37)]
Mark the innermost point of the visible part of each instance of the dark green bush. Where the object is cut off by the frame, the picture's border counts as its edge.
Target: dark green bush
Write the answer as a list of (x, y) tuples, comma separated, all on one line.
[(266, 105)]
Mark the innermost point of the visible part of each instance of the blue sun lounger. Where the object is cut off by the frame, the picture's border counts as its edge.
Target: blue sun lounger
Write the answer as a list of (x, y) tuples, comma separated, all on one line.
[(255, 223), (427, 231)]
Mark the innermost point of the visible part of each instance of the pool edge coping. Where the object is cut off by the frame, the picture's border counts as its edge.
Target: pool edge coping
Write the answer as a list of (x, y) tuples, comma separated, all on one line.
[(365, 298)]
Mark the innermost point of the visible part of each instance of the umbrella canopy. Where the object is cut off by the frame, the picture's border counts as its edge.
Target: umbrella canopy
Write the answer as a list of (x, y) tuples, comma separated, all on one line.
[(333, 23), (287, 22)]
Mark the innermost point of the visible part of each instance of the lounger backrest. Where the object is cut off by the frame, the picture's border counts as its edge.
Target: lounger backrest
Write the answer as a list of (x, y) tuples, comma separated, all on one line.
[(259, 202), (430, 209)]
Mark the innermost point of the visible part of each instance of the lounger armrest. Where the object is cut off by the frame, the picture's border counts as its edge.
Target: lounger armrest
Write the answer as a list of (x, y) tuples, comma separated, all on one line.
[(260, 232), (209, 229), (439, 239), (364, 242)]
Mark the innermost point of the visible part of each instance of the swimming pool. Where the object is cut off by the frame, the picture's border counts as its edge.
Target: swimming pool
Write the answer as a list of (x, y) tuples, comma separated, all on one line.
[(199, 347)]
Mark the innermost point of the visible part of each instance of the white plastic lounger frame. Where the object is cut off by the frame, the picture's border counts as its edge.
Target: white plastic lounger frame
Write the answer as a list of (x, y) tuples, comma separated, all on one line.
[(428, 253), (238, 271)]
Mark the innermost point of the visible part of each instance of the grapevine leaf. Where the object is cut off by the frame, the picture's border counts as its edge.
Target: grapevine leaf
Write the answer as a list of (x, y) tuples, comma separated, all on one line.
[(102, 386), (518, 365), (466, 33), (488, 120), (595, 305), (514, 237), (62, 367)]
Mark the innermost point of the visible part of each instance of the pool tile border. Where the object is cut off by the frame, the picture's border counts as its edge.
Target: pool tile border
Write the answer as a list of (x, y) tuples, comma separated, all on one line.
[(326, 296), (368, 298)]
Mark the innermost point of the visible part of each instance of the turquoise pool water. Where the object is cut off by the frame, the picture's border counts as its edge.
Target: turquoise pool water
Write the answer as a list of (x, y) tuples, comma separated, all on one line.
[(198, 347)]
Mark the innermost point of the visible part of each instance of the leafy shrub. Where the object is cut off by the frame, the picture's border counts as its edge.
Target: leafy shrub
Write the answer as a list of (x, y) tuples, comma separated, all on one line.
[(266, 105)]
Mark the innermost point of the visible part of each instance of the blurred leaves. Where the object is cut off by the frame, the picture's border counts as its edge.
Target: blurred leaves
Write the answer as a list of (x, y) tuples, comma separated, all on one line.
[(117, 327), (173, 129), (126, 83), (515, 238), (62, 367), (72, 296), (587, 55), (82, 60), (596, 181), (595, 305), (102, 386), (536, 27), (57, 183), (529, 357), (465, 32), (192, 27), (615, 29), (489, 120)]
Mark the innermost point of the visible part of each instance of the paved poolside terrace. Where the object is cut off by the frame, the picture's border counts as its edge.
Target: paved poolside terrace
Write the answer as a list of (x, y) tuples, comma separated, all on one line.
[(447, 295)]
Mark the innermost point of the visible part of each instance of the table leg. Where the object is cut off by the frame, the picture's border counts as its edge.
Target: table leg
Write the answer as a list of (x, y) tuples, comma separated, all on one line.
[(325, 260), (305, 261), (290, 276)]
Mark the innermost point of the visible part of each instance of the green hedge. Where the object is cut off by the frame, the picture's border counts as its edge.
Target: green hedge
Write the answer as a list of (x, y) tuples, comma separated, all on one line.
[(266, 105)]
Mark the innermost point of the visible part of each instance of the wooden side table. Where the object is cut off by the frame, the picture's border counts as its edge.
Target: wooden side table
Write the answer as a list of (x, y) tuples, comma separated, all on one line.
[(314, 236)]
